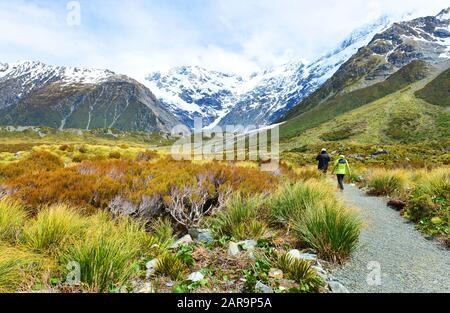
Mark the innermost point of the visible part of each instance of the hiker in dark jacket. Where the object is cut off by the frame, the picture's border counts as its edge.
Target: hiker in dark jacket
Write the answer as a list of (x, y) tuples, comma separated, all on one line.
[(323, 159)]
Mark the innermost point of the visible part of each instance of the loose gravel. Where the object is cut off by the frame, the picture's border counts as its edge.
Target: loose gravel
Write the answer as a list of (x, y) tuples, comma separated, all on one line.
[(391, 246)]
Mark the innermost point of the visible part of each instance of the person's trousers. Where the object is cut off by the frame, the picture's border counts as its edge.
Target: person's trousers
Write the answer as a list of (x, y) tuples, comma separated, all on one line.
[(340, 179)]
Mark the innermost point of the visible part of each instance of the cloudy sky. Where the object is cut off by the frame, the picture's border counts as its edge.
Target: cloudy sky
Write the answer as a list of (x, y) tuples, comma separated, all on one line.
[(136, 37)]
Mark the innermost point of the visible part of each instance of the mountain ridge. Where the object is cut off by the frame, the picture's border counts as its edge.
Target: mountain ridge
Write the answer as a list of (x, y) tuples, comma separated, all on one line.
[(261, 98), (424, 38), (35, 94)]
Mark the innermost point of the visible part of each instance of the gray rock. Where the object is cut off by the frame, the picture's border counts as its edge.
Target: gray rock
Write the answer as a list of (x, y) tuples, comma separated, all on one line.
[(151, 265), (233, 248), (260, 287), (337, 287), (182, 241), (195, 277), (248, 244), (202, 235)]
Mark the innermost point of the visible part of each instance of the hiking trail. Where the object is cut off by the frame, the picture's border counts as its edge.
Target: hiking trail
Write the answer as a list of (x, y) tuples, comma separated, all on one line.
[(408, 261)]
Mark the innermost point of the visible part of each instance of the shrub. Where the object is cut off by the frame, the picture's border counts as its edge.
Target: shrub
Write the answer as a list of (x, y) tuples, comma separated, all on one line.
[(94, 184), (54, 228), (38, 162), (290, 202), (170, 265), (12, 220), (66, 148), (115, 155), (387, 183), (147, 155), (329, 229)]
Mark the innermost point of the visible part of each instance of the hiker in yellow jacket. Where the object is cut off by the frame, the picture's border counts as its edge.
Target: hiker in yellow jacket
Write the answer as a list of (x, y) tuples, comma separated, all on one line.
[(341, 168)]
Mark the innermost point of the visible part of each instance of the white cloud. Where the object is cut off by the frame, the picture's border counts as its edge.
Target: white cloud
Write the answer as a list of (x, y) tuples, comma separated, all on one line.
[(137, 37)]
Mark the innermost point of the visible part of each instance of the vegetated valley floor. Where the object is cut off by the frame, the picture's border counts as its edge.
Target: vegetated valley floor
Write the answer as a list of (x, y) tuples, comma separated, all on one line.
[(409, 262)]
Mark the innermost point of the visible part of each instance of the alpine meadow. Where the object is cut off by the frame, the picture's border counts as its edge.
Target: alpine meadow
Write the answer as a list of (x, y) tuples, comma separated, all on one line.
[(239, 154)]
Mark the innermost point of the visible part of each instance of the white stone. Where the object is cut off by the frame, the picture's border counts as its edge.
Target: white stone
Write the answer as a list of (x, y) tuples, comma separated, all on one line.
[(296, 254), (195, 277)]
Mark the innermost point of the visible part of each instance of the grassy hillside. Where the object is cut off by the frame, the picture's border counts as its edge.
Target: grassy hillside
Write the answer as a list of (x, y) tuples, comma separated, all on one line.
[(16, 139), (438, 91), (338, 105), (387, 120)]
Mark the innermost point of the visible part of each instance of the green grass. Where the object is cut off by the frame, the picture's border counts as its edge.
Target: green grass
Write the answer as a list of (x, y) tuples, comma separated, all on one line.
[(108, 256), (240, 218), (12, 220), (397, 119), (291, 201), (331, 230), (54, 228), (170, 265), (437, 92), (297, 270), (336, 105), (387, 183), (429, 203), (19, 268)]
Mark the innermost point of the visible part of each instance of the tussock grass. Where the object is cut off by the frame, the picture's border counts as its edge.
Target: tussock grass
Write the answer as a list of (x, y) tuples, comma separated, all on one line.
[(162, 230), (54, 228), (19, 268), (298, 270), (12, 219), (329, 229), (290, 202), (241, 219), (308, 172), (109, 253), (170, 265), (387, 183), (429, 203)]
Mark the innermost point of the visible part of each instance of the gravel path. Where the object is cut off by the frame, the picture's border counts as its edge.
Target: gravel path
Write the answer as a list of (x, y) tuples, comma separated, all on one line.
[(408, 261)]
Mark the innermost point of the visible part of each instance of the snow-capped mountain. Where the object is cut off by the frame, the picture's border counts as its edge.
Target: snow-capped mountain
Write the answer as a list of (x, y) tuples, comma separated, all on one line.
[(192, 91), (36, 94), (260, 99), (422, 39)]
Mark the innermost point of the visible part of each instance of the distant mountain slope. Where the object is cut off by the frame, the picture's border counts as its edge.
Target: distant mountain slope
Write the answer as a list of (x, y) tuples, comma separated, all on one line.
[(259, 99), (36, 94), (343, 103), (438, 91), (426, 39), (399, 117)]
